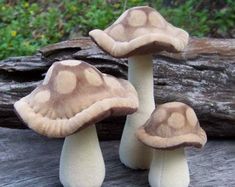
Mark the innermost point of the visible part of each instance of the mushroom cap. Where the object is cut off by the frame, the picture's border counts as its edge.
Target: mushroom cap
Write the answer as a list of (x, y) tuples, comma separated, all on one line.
[(172, 125), (140, 30), (73, 95)]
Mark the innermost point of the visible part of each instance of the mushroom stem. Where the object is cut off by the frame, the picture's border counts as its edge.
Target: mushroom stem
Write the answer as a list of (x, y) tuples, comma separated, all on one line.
[(132, 152), (169, 168), (81, 162)]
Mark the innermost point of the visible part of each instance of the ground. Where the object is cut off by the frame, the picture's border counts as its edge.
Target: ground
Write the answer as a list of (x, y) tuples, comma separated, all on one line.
[(28, 159)]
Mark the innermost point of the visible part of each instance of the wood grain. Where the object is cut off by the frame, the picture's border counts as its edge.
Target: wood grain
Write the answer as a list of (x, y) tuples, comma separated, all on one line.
[(203, 76), (28, 159)]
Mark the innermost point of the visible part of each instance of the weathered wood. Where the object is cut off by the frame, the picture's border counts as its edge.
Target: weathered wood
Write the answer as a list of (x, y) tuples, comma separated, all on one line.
[(28, 159), (202, 76)]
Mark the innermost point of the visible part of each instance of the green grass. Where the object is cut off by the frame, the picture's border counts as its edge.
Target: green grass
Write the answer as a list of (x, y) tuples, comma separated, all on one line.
[(25, 26)]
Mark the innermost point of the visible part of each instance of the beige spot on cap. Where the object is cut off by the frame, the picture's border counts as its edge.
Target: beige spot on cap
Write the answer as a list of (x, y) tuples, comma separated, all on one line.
[(93, 77), (48, 75), (121, 18), (70, 62), (137, 18), (42, 96), (139, 32), (65, 82), (118, 33), (173, 105), (112, 82), (176, 120), (191, 116), (156, 20), (160, 115)]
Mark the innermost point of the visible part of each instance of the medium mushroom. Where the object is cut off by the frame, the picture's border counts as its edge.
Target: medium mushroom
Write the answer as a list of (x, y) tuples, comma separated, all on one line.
[(137, 34), (72, 98), (171, 127)]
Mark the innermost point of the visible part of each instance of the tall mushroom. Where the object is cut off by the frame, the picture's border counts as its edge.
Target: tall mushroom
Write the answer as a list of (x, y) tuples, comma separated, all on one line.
[(72, 98), (137, 34), (171, 127)]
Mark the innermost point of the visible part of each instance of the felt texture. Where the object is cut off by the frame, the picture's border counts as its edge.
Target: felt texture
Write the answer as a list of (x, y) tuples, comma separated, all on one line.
[(81, 162), (73, 96), (133, 153), (139, 31)]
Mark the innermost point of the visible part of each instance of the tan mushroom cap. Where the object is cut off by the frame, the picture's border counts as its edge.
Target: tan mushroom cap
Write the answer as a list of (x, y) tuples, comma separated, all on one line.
[(140, 30), (73, 95), (172, 125)]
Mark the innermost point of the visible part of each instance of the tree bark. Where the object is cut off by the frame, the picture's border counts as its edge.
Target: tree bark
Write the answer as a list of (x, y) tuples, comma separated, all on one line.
[(203, 76)]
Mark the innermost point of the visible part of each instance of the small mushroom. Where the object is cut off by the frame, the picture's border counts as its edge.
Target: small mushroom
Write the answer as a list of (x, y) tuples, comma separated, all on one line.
[(171, 127), (137, 34), (72, 98)]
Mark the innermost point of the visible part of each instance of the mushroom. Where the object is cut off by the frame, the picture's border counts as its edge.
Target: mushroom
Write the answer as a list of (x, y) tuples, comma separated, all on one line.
[(171, 127), (137, 34), (72, 98)]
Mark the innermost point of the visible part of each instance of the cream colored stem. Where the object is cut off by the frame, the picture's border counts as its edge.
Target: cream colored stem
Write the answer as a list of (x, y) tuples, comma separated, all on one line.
[(132, 152), (169, 169), (81, 162)]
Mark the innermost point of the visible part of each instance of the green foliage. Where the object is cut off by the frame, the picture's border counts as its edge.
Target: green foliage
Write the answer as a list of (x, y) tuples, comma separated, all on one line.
[(25, 26), (201, 18)]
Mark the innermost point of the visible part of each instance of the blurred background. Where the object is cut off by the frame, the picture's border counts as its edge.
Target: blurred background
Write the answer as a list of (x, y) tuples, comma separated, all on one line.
[(26, 26)]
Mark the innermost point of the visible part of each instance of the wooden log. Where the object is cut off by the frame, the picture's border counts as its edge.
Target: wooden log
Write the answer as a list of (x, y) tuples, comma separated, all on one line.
[(203, 76), (28, 159)]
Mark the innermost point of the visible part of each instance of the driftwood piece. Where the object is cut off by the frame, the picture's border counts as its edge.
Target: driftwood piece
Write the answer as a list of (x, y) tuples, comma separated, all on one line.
[(28, 159), (202, 76)]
